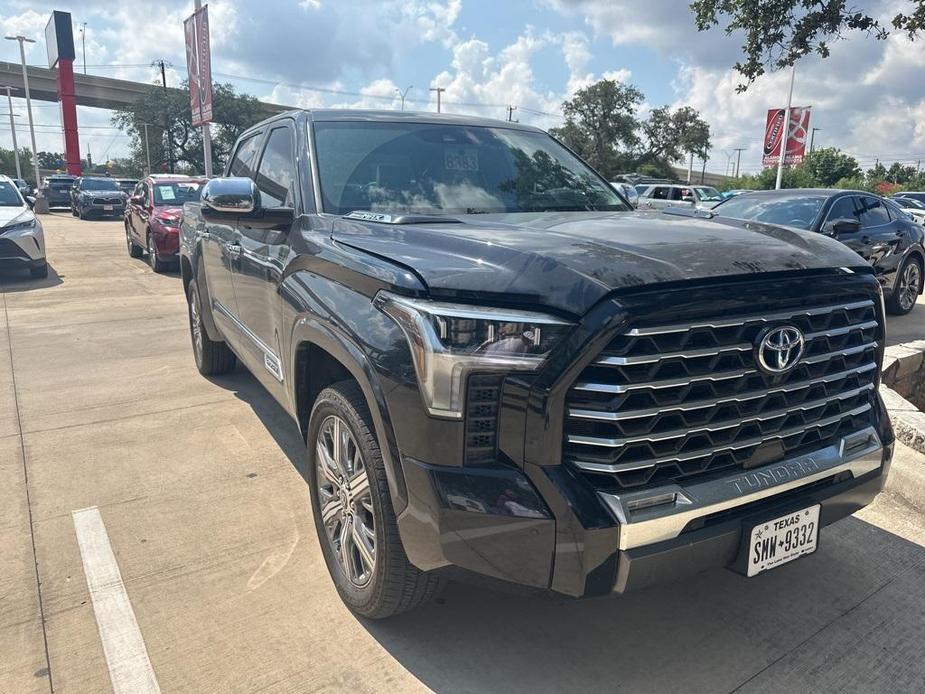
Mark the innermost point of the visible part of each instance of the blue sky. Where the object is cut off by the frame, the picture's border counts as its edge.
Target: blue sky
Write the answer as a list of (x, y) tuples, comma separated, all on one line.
[(868, 98)]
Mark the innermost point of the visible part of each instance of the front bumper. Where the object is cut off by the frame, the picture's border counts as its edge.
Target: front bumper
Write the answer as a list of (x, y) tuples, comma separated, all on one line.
[(545, 529), (100, 210)]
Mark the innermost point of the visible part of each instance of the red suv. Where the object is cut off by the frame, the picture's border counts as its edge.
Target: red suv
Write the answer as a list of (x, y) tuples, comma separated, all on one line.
[(153, 214)]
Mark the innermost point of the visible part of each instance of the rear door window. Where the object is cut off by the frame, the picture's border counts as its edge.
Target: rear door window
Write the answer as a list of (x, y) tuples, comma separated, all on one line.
[(873, 212)]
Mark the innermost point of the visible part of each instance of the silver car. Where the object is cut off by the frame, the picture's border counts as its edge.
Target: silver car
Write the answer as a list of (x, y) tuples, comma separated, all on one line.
[(658, 196), (22, 241)]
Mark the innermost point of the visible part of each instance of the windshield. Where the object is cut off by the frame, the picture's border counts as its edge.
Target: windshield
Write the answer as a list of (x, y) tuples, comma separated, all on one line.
[(909, 203), (9, 196), (176, 193), (706, 193), (98, 184), (797, 211), (427, 168)]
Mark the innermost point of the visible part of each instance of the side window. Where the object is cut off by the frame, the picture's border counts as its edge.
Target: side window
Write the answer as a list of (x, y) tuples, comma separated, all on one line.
[(242, 163), (660, 193), (275, 176), (843, 208), (873, 212), (145, 194)]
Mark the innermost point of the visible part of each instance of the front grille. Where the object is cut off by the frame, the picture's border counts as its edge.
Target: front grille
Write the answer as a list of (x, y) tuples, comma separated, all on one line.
[(667, 401), (107, 201)]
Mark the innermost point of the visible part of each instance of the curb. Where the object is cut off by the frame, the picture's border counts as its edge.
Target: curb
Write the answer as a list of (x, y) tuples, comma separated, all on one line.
[(904, 376)]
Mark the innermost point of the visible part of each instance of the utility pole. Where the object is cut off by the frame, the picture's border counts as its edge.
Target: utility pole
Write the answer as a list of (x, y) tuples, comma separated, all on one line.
[(690, 169), (439, 91), (812, 139), (786, 134), (41, 205), (83, 41), (703, 171), (147, 149), (9, 100), (739, 151), (402, 94), (162, 64), (510, 114)]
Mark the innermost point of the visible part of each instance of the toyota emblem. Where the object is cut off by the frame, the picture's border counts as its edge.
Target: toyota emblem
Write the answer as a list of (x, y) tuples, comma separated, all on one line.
[(780, 349)]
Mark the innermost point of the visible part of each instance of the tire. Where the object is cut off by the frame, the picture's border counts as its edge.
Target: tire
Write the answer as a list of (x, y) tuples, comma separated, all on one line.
[(154, 259), (392, 585), (73, 210), (908, 287), (212, 358), (134, 250), (40, 272), (80, 214)]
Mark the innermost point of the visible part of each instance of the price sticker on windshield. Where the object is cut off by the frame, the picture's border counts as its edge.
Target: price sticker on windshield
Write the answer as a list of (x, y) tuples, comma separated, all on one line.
[(461, 159), (166, 193)]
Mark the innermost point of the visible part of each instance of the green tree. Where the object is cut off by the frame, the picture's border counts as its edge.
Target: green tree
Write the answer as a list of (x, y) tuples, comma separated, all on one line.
[(601, 124), (670, 136), (780, 32), (8, 164), (233, 113), (52, 160), (829, 165)]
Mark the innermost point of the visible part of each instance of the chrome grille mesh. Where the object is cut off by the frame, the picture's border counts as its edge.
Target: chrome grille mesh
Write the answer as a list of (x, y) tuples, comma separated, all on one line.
[(669, 400)]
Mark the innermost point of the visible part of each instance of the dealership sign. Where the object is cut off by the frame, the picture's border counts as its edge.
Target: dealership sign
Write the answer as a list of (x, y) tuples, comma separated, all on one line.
[(199, 65), (774, 135)]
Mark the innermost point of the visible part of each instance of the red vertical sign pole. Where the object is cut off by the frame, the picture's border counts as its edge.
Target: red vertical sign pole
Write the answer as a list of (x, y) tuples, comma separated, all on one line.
[(67, 92)]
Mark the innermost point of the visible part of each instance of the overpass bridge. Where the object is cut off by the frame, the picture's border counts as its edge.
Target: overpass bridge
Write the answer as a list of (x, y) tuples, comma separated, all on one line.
[(92, 90)]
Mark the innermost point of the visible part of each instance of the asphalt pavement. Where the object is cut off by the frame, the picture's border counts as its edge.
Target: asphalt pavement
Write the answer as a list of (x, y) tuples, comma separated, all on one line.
[(155, 535)]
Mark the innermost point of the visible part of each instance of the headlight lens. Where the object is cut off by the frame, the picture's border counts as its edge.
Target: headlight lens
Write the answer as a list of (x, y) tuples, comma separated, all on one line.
[(449, 341), (23, 222)]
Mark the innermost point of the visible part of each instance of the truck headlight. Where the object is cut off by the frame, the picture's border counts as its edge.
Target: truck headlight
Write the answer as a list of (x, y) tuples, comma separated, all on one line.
[(24, 222), (449, 341)]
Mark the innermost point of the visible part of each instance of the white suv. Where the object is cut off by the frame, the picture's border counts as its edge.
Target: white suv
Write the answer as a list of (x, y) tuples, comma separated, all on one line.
[(22, 241), (658, 196)]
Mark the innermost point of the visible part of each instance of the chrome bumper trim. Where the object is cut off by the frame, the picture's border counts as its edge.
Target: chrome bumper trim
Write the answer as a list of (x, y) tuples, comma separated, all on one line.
[(858, 453)]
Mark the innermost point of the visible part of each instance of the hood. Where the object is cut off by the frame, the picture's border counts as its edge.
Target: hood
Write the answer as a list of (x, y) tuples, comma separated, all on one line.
[(571, 260), (168, 211), (8, 214)]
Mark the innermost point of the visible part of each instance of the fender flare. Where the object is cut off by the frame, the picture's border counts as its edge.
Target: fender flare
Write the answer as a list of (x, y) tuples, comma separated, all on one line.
[(204, 298), (343, 349)]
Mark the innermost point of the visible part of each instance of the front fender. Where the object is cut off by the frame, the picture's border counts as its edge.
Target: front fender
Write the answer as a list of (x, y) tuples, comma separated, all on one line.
[(341, 347)]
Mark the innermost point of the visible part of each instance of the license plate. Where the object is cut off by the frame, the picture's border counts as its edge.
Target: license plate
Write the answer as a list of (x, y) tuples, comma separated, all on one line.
[(107, 208), (783, 539)]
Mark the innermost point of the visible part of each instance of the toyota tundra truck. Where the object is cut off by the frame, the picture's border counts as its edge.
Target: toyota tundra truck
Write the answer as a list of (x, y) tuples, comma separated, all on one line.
[(502, 371)]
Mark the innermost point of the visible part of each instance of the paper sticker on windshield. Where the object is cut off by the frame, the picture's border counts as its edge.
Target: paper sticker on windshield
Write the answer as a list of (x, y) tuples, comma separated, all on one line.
[(167, 193), (461, 159)]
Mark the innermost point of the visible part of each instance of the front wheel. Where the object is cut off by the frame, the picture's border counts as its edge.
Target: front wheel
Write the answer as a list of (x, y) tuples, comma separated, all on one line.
[(353, 510), (907, 289), (212, 358)]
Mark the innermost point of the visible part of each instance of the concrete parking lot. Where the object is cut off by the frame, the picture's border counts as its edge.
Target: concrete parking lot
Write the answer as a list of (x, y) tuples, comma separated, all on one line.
[(199, 489)]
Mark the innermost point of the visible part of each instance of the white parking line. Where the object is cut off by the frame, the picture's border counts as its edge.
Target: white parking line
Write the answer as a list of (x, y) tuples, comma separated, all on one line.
[(126, 656)]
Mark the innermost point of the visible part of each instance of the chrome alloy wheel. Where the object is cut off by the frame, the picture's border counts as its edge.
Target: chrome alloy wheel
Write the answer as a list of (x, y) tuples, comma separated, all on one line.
[(909, 286), (195, 324), (345, 500)]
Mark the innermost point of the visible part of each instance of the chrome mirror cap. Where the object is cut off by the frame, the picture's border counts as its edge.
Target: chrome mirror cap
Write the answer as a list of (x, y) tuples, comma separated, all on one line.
[(235, 195)]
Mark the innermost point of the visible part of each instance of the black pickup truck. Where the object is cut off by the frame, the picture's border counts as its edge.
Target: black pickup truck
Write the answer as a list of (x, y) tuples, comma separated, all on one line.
[(501, 370)]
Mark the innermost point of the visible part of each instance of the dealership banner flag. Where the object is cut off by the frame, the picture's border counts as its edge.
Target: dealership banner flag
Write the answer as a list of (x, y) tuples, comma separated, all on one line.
[(199, 65), (774, 135)]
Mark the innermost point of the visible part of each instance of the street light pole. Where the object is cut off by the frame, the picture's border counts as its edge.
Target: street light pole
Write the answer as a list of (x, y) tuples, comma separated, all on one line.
[(9, 100), (403, 94), (786, 134), (83, 41), (147, 149), (738, 159), (812, 139), (41, 205)]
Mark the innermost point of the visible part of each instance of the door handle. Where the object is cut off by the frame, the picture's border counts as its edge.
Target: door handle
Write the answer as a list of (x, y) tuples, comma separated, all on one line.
[(234, 250)]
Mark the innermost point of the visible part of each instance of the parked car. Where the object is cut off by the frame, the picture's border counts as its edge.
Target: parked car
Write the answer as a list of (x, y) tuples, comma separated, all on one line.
[(732, 193), (23, 187), (127, 185), (97, 196), (56, 189), (876, 229), (501, 369), (22, 240), (914, 208), (627, 191), (152, 218), (912, 194), (660, 196)]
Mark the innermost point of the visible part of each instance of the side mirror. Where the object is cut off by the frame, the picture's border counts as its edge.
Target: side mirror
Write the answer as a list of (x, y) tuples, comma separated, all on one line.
[(230, 197), (136, 199), (30, 201), (842, 226)]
